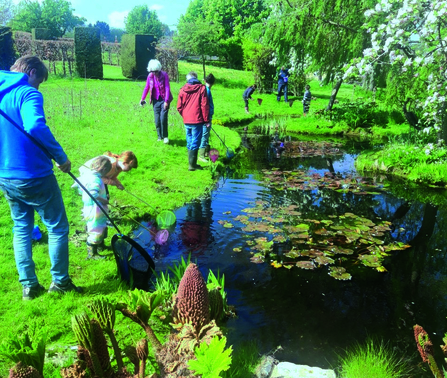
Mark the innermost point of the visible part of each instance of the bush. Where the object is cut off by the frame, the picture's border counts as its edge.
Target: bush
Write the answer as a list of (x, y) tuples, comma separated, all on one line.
[(357, 114), (7, 50), (40, 33), (88, 53), (136, 51)]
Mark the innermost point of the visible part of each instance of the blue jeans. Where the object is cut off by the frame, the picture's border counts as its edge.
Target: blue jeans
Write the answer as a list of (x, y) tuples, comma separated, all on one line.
[(282, 87), (161, 118), (44, 196), (205, 136), (193, 135)]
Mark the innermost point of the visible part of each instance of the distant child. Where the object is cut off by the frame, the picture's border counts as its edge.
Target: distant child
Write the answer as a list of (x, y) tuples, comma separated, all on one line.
[(247, 96), (204, 144), (306, 100), (120, 163), (283, 78), (92, 179)]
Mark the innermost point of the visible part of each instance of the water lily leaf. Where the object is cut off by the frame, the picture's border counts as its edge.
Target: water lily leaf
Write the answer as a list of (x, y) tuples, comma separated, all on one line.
[(338, 227), (242, 218), (280, 238), (257, 259), (276, 264), (250, 242), (341, 251), (339, 273), (226, 212), (323, 231), (292, 254), (381, 269), (308, 265), (228, 225), (373, 261), (327, 221), (237, 249), (288, 266), (302, 227), (396, 246), (324, 260)]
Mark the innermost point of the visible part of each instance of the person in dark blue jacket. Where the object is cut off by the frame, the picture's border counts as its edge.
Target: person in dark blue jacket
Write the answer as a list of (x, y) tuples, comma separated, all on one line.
[(26, 175), (247, 95), (283, 78)]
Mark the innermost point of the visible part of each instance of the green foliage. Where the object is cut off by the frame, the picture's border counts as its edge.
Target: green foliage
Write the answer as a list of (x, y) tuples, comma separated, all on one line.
[(358, 114), (245, 359), (257, 58), (40, 33), (7, 51), (104, 30), (376, 358), (88, 53), (212, 359), (142, 303), (55, 15), (136, 51), (178, 268), (141, 20), (28, 348)]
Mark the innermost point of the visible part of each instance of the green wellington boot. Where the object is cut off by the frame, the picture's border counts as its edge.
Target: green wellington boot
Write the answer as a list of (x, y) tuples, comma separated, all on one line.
[(202, 157), (92, 253)]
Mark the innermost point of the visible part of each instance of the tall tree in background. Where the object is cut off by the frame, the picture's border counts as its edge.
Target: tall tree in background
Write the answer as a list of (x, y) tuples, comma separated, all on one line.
[(142, 20), (55, 15), (6, 11), (328, 32), (104, 29), (233, 17), (116, 33), (198, 38)]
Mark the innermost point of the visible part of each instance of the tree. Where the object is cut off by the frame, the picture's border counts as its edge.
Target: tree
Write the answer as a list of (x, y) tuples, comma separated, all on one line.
[(141, 20), (104, 29), (328, 33), (116, 33), (410, 38), (6, 11), (54, 15), (233, 17), (198, 38)]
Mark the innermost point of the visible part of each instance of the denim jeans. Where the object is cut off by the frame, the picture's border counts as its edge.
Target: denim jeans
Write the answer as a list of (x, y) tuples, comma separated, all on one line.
[(282, 87), (193, 135), (44, 196), (161, 118), (205, 136)]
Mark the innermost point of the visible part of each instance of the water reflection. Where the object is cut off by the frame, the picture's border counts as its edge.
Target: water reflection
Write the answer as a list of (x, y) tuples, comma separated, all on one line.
[(311, 315)]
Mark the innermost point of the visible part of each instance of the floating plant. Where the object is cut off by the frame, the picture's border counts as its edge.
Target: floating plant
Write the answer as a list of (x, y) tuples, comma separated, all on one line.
[(294, 149), (311, 244), (301, 180)]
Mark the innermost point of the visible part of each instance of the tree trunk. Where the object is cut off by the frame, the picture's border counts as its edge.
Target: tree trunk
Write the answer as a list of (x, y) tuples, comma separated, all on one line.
[(203, 65), (334, 94)]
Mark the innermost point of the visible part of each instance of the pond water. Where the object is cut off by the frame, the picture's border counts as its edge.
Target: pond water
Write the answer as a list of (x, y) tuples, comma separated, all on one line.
[(312, 315)]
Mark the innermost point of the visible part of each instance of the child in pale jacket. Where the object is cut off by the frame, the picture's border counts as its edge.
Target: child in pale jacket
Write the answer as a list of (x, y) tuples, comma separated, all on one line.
[(92, 180)]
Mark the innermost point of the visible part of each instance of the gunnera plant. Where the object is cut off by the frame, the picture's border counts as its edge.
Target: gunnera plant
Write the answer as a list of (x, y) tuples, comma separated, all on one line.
[(191, 304), (375, 358)]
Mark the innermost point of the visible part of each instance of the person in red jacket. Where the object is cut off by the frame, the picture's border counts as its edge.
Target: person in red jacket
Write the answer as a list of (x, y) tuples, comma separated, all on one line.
[(193, 106)]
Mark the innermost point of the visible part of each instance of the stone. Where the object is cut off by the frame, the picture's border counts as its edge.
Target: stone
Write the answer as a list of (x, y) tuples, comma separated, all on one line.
[(265, 367), (289, 370)]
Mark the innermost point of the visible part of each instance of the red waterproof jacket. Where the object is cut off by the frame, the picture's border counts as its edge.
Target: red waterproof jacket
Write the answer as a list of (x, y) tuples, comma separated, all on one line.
[(193, 104)]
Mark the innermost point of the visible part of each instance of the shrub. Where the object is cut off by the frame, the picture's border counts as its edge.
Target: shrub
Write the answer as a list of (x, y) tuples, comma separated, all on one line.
[(40, 33), (136, 51), (7, 51), (88, 52)]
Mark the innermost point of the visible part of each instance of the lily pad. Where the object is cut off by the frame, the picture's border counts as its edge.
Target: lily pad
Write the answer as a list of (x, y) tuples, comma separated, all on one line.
[(339, 273), (308, 265)]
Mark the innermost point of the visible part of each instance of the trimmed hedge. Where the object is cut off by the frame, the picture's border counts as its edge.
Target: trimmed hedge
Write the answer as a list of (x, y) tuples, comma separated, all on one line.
[(40, 33), (136, 51), (88, 55), (7, 50)]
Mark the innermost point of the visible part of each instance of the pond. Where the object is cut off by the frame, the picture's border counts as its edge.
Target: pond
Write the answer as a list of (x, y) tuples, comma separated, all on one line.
[(316, 257)]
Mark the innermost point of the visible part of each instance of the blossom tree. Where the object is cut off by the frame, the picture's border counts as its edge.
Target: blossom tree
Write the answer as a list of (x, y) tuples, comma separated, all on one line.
[(410, 38)]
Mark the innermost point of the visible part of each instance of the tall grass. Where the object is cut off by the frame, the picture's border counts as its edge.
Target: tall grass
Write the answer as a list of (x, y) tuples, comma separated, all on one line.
[(374, 359)]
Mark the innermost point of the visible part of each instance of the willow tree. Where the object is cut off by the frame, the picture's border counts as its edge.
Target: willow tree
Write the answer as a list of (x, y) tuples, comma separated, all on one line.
[(329, 33)]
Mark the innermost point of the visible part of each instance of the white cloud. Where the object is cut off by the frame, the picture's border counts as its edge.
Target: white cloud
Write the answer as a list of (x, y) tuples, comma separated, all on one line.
[(116, 19), (156, 7)]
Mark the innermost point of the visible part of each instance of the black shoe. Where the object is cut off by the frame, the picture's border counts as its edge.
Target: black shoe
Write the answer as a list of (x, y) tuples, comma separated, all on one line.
[(65, 287), (32, 292)]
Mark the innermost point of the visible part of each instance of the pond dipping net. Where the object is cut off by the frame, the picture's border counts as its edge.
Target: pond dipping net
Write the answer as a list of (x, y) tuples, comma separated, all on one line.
[(135, 266)]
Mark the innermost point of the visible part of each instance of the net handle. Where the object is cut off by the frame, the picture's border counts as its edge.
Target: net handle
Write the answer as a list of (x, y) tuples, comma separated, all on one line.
[(135, 245)]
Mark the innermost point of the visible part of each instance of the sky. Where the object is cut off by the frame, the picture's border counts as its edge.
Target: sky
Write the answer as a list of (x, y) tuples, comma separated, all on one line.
[(114, 11)]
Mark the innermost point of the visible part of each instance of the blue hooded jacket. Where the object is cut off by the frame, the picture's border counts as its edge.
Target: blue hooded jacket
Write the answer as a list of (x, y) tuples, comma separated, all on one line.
[(20, 158)]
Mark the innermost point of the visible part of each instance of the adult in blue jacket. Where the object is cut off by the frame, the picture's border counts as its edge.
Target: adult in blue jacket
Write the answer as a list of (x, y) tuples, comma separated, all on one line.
[(283, 78), (26, 175)]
